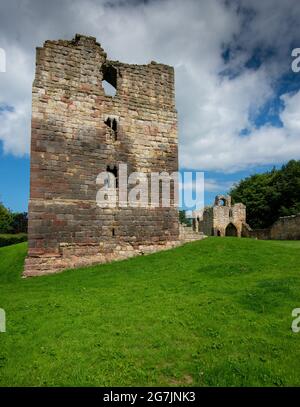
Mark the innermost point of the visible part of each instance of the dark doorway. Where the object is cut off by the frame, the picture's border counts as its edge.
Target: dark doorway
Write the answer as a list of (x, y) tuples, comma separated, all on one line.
[(231, 230)]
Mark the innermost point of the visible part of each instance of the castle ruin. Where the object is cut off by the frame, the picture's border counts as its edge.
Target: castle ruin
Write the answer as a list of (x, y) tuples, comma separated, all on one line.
[(77, 132), (221, 219)]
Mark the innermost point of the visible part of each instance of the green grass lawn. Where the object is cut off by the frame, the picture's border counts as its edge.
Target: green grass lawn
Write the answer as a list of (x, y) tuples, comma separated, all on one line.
[(211, 313)]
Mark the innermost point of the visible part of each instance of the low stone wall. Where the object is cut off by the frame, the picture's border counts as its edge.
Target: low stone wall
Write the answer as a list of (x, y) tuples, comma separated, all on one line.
[(285, 228)]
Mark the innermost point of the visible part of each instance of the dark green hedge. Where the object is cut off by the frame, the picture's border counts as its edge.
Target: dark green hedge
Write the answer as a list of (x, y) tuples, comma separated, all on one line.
[(6, 239)]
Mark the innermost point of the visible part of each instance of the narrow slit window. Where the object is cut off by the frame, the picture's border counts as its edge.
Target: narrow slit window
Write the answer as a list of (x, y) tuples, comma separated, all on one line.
[(113, 125), (113, 170)]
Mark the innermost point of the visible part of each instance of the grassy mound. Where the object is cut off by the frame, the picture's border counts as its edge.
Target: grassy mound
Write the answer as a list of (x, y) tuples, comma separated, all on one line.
[(215, 312)]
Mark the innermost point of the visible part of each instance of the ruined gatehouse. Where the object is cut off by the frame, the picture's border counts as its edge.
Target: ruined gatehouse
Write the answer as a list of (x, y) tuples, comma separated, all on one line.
[(221, 219)]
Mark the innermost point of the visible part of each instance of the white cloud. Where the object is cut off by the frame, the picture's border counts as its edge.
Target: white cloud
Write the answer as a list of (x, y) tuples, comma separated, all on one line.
[(267, 144), (190, 35), (212, 185), (222, 111), (291, 114), (15, 93), (15, 127)]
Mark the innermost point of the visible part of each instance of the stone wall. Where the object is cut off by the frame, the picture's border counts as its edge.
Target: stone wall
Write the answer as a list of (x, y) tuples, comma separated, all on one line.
[(218, 219), (71, 143), (207, 221), (263, 234), (285, 228), (197, 220)]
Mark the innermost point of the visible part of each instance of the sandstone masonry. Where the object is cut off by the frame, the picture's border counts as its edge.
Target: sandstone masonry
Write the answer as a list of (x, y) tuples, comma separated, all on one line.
[(285, 228), (221, 219), (225, 219), (77, 132)]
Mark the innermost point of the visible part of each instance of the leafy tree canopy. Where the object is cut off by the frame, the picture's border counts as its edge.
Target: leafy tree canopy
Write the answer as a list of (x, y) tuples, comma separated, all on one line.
[(270, 195), (183, 219), (6, 219), (12, 222)]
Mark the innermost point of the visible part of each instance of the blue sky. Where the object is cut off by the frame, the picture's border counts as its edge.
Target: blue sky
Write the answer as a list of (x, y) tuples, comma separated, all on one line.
[(238, 100), (14, 187)]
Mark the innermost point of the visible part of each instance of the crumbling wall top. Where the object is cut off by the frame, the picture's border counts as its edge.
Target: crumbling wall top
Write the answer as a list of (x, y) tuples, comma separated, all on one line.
[(222, 200)]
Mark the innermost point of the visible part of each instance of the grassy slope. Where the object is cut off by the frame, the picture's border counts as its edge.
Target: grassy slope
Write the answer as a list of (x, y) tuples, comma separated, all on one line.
[(214, 312)]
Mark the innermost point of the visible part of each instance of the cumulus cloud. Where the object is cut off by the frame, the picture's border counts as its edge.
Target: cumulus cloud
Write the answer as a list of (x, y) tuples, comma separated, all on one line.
[(216, 96), (212, 185), (262, 146)]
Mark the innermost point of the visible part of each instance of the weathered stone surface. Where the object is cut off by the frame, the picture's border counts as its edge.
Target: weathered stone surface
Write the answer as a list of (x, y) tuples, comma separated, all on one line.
[(222, 219), (73, 141), (285, 228)]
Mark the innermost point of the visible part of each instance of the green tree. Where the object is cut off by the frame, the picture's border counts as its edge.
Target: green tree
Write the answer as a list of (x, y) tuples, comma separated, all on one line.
[(6, 220), (288, 184), (270, 194), (183, 219), (20, 222)]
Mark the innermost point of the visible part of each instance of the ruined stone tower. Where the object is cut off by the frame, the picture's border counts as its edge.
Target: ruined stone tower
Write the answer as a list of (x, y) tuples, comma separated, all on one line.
[(223, 218), (79, 131)]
